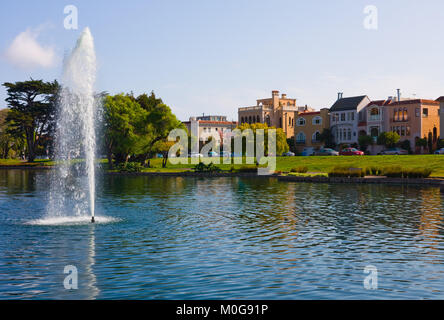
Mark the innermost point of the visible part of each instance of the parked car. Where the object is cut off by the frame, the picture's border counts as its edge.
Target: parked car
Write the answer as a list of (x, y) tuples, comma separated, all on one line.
[(234, 154), (196, 155), (394, 151), (326, 152), (351, 152), (439, 151), (308, 151), (213, 154), (225, 154), (288, 154)]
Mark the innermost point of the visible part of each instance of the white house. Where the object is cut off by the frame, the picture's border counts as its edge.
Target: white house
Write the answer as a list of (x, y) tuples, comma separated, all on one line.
[(345, 115)]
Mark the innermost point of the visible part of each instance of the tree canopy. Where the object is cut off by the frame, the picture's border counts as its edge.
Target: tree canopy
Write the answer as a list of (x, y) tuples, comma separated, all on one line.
[(32, 112), (281, 139)]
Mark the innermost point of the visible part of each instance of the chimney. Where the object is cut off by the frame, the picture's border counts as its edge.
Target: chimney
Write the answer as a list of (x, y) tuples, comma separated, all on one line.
[(274, 93), (399, 94), (284, 96)]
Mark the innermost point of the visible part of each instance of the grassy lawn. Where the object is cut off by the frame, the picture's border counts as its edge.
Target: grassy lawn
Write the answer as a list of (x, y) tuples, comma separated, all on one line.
[(16, 162), (318, 164), (325, 163)]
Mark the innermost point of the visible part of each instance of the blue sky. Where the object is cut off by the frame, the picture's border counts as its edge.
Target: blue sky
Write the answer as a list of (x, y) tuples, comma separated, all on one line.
[(215, 56)]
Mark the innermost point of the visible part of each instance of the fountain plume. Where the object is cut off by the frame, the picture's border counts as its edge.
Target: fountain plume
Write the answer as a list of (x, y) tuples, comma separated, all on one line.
[(73, 181)]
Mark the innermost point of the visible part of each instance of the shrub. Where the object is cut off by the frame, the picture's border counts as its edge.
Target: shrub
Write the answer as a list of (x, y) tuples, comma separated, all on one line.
[(373, 171), (299, 169), (417, 173), (346, 172), (393, 172), (129, 167), (202, 167)]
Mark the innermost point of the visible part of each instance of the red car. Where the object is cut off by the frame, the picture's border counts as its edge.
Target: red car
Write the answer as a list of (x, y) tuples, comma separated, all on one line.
[(351, 152)]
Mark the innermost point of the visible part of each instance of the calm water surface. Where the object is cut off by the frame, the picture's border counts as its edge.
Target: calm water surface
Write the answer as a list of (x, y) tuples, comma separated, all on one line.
[(224, 238)]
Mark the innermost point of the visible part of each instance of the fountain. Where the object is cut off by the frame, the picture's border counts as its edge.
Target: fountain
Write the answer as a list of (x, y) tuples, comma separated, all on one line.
[(72, 192)]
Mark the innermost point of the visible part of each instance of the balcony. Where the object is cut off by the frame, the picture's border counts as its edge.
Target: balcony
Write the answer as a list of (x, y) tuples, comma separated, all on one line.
[(254, 108), (400, 120)]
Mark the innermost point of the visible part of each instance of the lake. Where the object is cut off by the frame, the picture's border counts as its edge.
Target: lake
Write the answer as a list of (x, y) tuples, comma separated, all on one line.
[(223, 238)]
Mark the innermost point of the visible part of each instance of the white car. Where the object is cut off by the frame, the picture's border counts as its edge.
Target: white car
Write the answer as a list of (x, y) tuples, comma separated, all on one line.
[(288, 154), (439, 151), (197, 155)]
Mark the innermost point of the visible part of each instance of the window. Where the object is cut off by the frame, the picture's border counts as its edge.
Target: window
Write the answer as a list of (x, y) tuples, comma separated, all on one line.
[(249, 119), (407, 130), (257, 119), (343, 116), (402, 131), (404, 115), (425, 112), (395, 115), (301, 122), (374, 114), (300, 138), (417, 111), (316, 136), (289, 121), (349, 134), (317, 120)]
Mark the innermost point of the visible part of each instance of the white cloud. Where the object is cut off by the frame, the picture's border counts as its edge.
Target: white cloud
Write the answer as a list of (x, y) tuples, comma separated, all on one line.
[(26, 52)]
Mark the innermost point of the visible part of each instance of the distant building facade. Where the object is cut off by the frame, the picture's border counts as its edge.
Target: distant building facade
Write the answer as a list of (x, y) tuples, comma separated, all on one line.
[(203, 127), (346, 117), (441, 116), (277, 111), (412, 119), (308, 128)]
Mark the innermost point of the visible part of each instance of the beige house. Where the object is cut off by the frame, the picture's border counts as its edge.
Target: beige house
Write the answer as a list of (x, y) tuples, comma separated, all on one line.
[(309, 126), (277, 111)]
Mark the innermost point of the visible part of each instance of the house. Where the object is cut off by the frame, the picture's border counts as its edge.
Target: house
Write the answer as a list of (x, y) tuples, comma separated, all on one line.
[(277, 111), (345, 116), (308, 128), (206, 126), (413, 119), (441, 115), (410, 118)]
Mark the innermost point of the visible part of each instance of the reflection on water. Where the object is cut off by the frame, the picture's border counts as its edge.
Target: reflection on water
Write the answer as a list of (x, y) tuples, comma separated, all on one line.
[(195, 238)]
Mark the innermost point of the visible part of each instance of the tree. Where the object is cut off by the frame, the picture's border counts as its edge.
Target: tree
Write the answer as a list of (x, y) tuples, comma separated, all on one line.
[(163, 147), (365, 141), (327, 138), (281, 138), (388, 139), (124, 127), (32, 112), (159, 123)]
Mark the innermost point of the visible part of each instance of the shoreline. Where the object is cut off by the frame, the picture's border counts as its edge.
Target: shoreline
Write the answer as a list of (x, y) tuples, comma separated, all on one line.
[(434, 181)]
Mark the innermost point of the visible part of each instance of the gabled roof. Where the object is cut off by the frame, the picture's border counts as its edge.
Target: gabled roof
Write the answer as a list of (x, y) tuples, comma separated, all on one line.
[(350, 103), (380, 103)]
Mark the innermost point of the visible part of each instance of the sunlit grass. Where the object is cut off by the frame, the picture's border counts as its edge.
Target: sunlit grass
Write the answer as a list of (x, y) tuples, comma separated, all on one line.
[(315, 164)]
